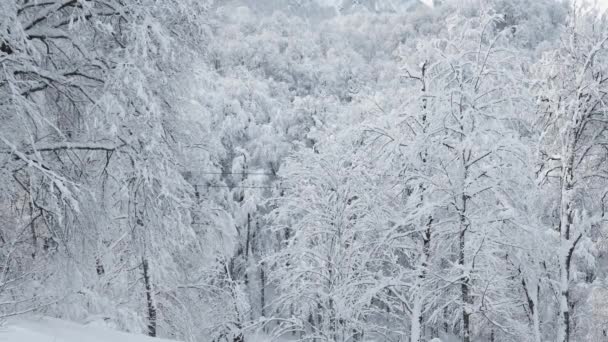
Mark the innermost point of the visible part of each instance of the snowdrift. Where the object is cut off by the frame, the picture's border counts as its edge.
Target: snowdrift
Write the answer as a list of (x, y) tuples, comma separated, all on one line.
[(34, 329)]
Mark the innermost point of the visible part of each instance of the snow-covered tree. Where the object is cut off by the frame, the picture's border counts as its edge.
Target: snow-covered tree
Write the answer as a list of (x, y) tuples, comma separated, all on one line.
[(572, 95)]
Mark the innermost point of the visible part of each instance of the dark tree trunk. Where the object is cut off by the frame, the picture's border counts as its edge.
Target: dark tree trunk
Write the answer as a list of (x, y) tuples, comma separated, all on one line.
[(33, 231), (247, 246), (99, 267), (149, 299), (262, 290)]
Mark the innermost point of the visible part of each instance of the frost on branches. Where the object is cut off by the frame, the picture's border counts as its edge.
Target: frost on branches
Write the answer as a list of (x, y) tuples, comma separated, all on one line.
[(344, 171)]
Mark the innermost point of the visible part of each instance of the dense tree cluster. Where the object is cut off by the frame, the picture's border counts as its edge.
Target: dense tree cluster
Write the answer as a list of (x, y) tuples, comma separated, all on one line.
[(310, 171)]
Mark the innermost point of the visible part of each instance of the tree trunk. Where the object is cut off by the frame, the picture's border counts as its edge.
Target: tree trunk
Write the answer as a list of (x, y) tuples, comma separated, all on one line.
[(99, 267), (465, 281), (534, 312), (33, 231), (532, 292), (418, 306), (262, 290), (149, 299), (247, 244), (446, 327), (565, 224), (536, 326), (416, 320)]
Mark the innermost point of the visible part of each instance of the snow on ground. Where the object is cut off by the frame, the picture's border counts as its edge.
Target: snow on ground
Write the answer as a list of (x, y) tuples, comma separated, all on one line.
[(45, 329), (36, 329)]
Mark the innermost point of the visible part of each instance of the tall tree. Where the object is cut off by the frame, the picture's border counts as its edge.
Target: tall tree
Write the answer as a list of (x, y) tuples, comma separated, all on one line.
[(572, 95)]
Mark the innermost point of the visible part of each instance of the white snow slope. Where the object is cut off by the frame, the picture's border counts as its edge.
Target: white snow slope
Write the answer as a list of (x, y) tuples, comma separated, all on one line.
[(32, 329)]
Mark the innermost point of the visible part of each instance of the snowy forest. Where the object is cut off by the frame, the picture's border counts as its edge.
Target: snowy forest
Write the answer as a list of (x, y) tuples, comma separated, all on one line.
[(307, 170)]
